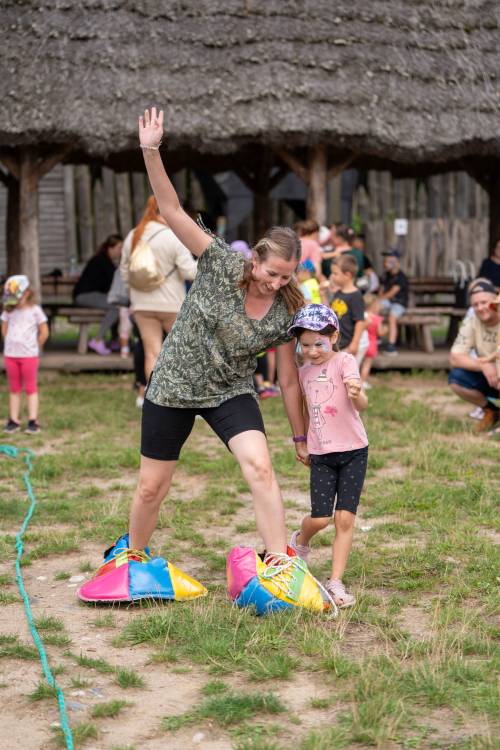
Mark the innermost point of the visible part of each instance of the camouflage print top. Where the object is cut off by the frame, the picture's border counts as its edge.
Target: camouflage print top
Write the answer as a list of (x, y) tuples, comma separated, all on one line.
[(210, 354)]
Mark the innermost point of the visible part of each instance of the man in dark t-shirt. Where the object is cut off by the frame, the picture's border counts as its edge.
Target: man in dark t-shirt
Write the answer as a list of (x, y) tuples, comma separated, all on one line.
[(393, 296)]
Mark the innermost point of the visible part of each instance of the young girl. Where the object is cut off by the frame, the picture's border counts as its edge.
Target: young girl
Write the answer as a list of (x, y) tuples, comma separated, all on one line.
[(25, 331), (375, 329), (336, 438)]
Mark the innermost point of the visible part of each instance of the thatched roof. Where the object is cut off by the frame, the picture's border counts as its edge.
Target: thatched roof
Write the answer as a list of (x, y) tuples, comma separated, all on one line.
[(398, 80)]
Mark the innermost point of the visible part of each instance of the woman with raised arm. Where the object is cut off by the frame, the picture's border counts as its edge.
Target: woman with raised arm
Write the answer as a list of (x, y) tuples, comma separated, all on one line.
[(234, 310)]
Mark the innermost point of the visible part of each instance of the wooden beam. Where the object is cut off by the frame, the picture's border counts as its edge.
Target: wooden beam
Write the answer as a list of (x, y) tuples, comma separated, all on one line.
[(316, 195), (295, 165), (47, 163), (339, 166)]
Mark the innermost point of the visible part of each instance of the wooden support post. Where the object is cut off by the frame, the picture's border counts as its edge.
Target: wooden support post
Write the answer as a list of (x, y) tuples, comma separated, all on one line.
[(316, 175), (27, 167), (85, 217), (12, 223), (318, 178), (29, 249), (124, 202), (139, 194), (261, 181)]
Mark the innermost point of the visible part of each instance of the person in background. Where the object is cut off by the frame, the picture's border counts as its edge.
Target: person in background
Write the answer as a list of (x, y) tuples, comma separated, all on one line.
[(309, 285), (308, 231), (375, 328), (393, 296), (476, 379), (155, 311), (347, 303), (358, 244), (25, 331), (91, 289), (490, 267)]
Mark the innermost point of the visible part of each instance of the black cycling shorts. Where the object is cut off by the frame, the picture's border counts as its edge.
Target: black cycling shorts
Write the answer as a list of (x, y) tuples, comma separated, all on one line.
[(337, 475), (165, 429)]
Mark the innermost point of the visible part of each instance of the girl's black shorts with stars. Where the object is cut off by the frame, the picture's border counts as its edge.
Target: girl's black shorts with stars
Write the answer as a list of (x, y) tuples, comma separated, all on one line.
[(337, 475)]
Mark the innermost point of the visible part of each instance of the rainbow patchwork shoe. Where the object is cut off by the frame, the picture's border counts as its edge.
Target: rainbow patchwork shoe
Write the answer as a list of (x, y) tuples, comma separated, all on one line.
[(128, 575), (279, 582)]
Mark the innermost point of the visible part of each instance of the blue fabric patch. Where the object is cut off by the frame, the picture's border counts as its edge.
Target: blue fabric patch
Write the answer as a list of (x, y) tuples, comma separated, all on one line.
[(151, 579), (255, 595)]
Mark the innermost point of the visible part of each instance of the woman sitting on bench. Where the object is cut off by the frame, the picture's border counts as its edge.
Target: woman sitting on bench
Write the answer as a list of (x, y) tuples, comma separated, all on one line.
[(91, 289)]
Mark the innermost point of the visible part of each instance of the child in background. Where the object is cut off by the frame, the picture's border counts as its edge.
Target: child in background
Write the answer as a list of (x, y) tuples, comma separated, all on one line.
[(25, 331), (394, 295), (347, 303), (309, 285), (375, 328), (336, 438)]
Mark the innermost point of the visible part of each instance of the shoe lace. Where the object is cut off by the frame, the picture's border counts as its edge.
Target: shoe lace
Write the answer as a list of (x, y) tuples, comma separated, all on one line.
[(133, 554), (280, 568)]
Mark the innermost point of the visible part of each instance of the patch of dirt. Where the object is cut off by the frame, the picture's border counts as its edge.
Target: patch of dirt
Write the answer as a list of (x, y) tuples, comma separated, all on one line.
[(415, 621), (491, 534), (453, 729), (394, 471)]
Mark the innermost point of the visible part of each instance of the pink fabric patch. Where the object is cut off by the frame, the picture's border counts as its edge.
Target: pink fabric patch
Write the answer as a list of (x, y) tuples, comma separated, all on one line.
[(241, 567), (112, 586), (331, 410)]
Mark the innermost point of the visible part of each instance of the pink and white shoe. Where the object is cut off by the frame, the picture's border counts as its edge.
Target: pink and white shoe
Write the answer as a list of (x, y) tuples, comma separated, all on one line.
[(301, 550), (99, 347), (337, 591)]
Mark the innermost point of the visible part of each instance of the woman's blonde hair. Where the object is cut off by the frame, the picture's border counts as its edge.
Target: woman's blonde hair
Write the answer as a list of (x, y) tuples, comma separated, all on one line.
[(284, 243), (150, 214)]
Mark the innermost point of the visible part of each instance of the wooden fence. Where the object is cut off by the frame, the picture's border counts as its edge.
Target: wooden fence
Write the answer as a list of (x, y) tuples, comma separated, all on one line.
[(448, 215)]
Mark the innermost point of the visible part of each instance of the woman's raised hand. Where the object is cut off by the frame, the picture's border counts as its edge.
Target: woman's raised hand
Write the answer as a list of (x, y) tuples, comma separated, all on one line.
[(151, 128)]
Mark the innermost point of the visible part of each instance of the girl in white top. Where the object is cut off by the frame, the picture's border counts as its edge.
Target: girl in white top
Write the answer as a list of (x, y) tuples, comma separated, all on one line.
[(25, 330), (155, 311)]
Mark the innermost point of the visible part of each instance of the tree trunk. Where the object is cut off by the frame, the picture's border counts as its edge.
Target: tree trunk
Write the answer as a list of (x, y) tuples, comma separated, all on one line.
[(12, 230), (28, 219), (316, 195)]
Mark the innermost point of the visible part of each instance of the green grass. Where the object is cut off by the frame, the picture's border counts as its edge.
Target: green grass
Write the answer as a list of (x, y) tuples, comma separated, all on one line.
[(108, 710), (421, 642), (42, 692)]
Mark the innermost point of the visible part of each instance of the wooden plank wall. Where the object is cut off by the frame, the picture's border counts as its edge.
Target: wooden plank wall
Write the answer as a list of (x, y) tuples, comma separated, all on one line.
[(447, 220), (448, 216)]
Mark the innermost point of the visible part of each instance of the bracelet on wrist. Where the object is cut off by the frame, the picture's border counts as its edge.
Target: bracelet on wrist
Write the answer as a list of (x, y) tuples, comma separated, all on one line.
[(151, 148), (299, 439)]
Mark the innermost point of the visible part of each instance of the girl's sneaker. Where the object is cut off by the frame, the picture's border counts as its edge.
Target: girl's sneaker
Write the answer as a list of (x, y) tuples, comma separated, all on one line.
[(124, 352), (301, 550), (337, 591), (33, 427), (11, 427)]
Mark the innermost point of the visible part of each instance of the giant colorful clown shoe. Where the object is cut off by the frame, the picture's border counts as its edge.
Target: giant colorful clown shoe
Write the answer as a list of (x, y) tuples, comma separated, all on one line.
[(130, 575), (283, 583)]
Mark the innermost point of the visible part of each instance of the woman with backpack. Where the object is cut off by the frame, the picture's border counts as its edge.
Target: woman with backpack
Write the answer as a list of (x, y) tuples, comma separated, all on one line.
[(155, 265)]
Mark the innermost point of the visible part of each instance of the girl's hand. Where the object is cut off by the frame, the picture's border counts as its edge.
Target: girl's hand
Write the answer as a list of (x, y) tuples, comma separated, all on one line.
[(151, 128), (353, 388), (302, 453)]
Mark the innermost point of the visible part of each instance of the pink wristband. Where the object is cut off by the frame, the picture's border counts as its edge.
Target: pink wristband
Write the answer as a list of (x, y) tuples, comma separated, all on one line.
[(299, 439)]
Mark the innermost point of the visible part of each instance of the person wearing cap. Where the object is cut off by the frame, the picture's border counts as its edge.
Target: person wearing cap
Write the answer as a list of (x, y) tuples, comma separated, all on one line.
[(25, 331), (476, 379), (393, 295), (336, 438)]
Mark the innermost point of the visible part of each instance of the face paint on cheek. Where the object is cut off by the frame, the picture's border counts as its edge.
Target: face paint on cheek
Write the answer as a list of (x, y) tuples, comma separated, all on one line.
[(298, 348), (324, 344)]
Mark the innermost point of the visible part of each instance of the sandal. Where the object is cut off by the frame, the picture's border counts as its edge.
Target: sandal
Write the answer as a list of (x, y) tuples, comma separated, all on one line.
[(336, 589)]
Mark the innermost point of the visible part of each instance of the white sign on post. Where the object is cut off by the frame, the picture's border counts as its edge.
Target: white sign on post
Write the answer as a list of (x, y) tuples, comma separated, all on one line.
[(400, 227)]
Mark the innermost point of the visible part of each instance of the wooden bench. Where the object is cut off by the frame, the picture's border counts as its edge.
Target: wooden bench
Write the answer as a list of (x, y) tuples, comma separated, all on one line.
[(416, 328), (83, 317)]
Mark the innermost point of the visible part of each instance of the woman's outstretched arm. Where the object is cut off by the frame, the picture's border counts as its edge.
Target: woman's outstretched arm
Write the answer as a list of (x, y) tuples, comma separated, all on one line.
[(185, 229)]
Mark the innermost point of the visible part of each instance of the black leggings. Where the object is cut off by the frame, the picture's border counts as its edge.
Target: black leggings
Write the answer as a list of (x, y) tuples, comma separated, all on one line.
[(337, 474), (165, 429)]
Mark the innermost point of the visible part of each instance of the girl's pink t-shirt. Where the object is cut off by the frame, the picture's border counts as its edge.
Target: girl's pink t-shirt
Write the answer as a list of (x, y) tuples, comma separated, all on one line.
[(22, 331), (334, 423)]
